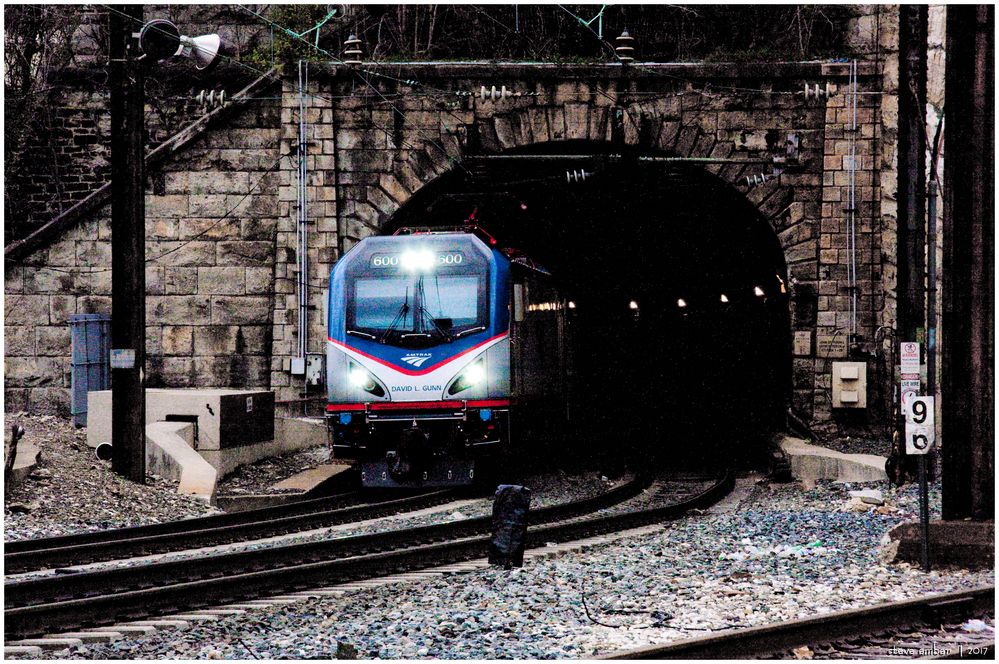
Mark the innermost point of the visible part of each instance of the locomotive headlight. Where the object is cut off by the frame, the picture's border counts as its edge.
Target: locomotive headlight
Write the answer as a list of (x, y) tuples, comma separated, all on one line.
[(362, 378), (359, 377), (474, 374), (417, 260)]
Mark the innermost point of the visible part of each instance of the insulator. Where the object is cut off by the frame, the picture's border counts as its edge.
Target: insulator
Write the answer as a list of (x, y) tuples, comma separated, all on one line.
[(352, 51), (213, 98), (624, 50), (493, 93), (753, 180), (827, 91), (576, 176)]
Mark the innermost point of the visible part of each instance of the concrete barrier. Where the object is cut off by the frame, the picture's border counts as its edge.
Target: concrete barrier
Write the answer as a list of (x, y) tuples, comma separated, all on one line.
[(289, 434), (169, 454), (813, 462), (25, 460), (967, 544)]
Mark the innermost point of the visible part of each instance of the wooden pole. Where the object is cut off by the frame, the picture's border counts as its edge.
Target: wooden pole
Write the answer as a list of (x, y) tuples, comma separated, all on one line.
[(128, 225), (968, 320), (911, 247)]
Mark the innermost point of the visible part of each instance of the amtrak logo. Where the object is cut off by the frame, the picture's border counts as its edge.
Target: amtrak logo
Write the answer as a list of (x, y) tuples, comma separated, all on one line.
[(416, 360)]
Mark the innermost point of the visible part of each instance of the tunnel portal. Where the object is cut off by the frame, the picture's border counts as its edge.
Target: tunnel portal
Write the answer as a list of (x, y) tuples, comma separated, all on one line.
[(679, 332)]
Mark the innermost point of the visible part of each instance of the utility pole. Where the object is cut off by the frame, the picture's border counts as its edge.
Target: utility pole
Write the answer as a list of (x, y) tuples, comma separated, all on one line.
[(128, 252), (913, 20), (968, 302)]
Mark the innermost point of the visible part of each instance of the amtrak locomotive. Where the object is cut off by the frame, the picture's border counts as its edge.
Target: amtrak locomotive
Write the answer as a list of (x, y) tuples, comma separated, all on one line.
[(441, 346)]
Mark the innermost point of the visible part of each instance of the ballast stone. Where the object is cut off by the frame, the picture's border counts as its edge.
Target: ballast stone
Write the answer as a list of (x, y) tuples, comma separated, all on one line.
[(869, 496)]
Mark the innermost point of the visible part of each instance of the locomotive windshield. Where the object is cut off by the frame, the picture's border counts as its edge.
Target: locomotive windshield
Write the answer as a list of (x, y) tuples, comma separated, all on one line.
[(418, 299)]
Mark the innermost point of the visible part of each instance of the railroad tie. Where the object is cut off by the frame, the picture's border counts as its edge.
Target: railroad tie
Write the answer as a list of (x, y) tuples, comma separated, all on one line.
[(161, 623), (102, 636), (48, 644), (14, 651), (194, 617), (128, 630)]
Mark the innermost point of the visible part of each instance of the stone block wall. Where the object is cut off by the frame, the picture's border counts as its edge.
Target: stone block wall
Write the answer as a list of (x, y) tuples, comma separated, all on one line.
[(368, 157), (211, 219), (67, 151), (222, 216)]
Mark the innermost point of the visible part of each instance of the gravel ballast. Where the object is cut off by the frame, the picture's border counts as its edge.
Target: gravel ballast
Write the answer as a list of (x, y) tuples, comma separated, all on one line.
[(70, 491), (260, 477), (784, 553)]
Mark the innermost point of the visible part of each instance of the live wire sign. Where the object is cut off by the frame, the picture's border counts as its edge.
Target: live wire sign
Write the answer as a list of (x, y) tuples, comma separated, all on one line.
[(919, 426)]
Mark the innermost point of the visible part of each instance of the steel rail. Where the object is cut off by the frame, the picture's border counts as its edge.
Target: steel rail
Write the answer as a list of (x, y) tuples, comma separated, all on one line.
[(208, 531), (436, 545), (779, 639), (180, 525), (99, 582)]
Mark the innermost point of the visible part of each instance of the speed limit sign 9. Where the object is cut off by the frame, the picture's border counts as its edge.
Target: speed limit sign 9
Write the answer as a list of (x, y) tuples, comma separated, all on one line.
[(920, 432)]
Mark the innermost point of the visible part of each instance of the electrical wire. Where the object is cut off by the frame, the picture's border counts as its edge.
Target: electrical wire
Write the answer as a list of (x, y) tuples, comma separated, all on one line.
[(360, 75), (202, 233), (274, 77)]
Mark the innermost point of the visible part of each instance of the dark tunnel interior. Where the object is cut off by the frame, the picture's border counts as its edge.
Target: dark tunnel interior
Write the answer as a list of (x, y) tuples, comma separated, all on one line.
[(685, 376)]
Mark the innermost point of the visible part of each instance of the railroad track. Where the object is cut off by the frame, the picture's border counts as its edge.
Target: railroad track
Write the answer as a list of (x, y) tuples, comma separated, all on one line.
[(919, 628), (56, 552), (48, 604)]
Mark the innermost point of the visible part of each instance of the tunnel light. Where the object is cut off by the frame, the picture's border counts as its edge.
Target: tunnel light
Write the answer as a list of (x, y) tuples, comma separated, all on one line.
[(724, 298), (633, 305), (758, 291), (682, 303), (572, 305), (783, 289), (418, 260)]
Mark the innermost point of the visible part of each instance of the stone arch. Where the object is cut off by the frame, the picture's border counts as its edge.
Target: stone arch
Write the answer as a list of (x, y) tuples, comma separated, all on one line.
[(659, 126)]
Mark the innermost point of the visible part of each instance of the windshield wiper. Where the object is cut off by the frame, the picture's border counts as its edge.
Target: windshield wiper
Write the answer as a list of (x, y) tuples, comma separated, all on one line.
[(403, 310), (469, 331), (362, 334), (433, 321)]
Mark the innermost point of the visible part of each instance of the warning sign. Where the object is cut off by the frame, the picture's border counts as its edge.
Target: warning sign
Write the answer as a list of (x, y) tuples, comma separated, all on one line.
[(910, 357), (909, 390)]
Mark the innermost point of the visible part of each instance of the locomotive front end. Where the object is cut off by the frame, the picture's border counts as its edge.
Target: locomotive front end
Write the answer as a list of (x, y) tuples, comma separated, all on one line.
[(418, 367)]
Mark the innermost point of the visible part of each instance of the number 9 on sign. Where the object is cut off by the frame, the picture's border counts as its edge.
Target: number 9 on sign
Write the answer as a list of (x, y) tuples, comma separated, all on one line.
[(920, 432)]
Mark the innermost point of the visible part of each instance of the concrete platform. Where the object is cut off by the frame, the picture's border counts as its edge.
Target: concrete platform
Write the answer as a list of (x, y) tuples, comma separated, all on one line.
[(968, 544), (813, 462), (307, 480)]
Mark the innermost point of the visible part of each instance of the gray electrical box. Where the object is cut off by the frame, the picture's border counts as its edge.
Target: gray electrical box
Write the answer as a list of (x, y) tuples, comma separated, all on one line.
[(849, 385), (314, 369)]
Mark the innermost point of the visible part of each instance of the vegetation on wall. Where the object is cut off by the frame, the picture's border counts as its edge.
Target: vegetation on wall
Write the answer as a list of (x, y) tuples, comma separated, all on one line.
[(557, 32), (37, 46)]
